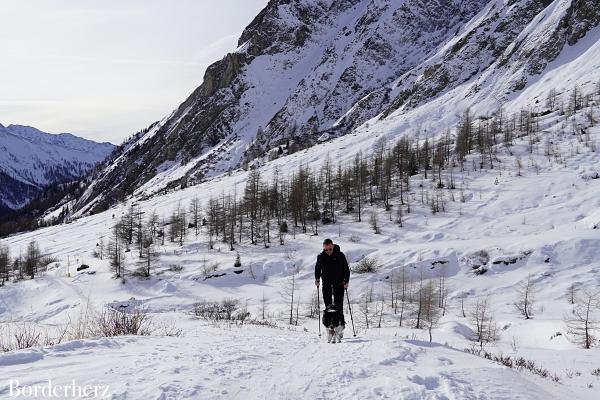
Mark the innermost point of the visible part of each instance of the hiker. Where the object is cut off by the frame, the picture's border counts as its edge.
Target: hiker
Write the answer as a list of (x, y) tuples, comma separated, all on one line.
[(332, 267)]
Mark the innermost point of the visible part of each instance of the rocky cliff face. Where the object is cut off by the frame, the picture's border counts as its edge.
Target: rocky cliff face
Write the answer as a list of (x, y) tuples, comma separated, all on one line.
[(308, 67), (514, 39)]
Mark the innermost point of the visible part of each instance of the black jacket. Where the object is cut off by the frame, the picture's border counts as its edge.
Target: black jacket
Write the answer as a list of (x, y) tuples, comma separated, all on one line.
[(333, 268)]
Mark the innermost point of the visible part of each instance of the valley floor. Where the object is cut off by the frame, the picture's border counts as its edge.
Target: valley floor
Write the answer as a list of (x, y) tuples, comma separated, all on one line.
[(248, 362)]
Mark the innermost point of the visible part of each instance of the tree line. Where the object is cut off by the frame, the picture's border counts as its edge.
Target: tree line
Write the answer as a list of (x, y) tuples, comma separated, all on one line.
[(270, 209), (32, 263)]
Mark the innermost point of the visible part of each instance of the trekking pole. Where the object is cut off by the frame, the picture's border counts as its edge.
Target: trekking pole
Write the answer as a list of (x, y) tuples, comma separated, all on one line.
[(350, 308), (319, 310)]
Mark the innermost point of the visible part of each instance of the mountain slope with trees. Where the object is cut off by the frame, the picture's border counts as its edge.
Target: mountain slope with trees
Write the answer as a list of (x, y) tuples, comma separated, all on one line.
[(306, 71)]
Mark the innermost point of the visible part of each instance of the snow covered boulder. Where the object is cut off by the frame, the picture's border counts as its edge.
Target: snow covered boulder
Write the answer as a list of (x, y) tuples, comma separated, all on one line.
[(475, 260), (587, 173), (324, 137), (511, 261)]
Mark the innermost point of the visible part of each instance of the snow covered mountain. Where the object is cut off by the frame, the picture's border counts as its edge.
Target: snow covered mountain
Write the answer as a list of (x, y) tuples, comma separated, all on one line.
[(31, 159), (309, 69), (500, 227), (519, 208)]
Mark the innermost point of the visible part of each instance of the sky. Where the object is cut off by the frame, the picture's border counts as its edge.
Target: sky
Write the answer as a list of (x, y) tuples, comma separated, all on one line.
[(104, 69)]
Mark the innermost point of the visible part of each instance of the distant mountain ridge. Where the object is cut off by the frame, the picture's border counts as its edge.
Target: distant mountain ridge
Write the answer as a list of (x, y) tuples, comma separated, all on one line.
[(31, 159)]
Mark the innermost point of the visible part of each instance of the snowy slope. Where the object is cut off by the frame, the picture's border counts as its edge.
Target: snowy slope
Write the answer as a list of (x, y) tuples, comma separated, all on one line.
[(543, 219), (540, 225), (31, 159), (260, 363)]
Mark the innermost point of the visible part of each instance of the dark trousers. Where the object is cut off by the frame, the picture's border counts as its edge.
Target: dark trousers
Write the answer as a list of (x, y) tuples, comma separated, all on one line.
[(337, 290)]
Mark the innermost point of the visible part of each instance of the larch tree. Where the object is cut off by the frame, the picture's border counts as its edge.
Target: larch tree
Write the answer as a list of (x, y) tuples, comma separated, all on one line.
[(32, 259), (582, 324), (116, 250), (252, 201), (525, 298), (195, 214), (483, 321), (571, 293), (431, 313), (4, 263), (263, 306), (149, 255), (290, 285), (138, 227), (365, 306)]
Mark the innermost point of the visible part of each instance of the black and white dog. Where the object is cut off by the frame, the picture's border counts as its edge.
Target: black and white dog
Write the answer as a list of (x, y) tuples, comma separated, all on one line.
[(333, 319)]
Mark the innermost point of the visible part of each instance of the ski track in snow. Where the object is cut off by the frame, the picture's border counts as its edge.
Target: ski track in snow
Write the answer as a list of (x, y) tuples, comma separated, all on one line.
[(266, 363)]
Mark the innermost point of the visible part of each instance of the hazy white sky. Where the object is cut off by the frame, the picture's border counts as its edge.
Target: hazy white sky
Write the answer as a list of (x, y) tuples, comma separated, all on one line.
[(104, 69)]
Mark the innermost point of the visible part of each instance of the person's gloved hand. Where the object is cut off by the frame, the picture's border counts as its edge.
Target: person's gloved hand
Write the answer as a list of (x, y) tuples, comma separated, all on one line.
[(345, 285)]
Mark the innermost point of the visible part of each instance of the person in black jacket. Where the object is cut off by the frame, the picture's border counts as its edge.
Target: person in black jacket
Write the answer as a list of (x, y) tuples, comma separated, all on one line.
[(332, 268)]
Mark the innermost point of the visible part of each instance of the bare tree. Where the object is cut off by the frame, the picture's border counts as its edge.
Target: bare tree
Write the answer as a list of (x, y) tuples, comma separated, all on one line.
[(115, 250), (127, 226), (483, 322), (551, 99), (195, 214), (464, 137), (283, 229), (138, 225), (328, 178), (420, 302), (153, 224), (4, 263), (267, 233), (462, 296), (32, 259), (380, 308), (524, 303), (582, 324), (365, 304), (100, 248), (182, 226), (404, 286), (430, 311), (161, 232), (393, 290), (289, 289), (212, 219), (399, 215), (442, 291), (313, 311), (149, 254), (359, 180), (252, 201), (575, 100), (178, 225), (374, 221), (230, 219), (173, 227), (263, 305), (571, 293), (297, 309), (17, 267)]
